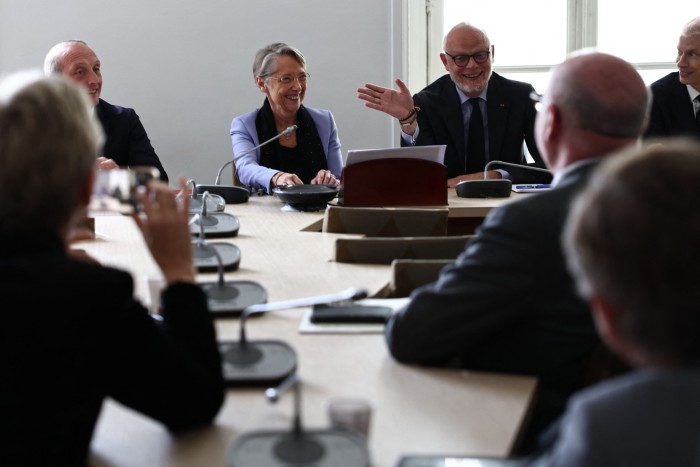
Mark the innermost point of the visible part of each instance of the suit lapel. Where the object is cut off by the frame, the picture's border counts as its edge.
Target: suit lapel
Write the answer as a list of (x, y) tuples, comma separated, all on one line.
[(683, 108)]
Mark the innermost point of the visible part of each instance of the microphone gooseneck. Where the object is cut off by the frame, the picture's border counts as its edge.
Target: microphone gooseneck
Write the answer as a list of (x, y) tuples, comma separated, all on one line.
[(510, 164), (348, 294), (287, 131), (273, 395)]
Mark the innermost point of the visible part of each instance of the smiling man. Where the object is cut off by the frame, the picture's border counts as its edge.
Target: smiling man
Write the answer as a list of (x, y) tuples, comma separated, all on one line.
[(443, 112), (675, 107), (127, 143)]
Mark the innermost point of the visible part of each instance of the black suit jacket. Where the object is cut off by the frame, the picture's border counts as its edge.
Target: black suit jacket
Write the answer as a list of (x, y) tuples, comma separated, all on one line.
[(126, 140), (672, 112), (507, 304), (72, 335), (511, 119)]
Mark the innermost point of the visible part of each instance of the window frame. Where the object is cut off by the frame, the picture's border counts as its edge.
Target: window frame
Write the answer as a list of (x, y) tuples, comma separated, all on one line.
[(424, 35)]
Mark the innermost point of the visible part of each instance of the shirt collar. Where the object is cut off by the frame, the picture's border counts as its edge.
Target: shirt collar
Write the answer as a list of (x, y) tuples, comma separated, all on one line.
[(464, 98)]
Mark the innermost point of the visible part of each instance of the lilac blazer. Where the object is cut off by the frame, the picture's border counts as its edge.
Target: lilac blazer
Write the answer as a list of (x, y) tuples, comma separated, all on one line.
[(244, 136)]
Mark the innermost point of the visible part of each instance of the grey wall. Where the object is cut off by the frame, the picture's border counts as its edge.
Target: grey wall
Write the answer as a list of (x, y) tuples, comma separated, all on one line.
[(186, 66)]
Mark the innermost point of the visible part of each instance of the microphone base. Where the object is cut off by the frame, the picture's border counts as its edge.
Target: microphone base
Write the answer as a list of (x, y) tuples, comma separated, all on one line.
[(231, 194), (257, 363), (231, 298), (322, 448), (484, 188)]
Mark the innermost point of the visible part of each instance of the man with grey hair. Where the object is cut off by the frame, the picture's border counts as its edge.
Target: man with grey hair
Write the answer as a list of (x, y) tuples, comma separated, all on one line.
[(72, 331), (127, 143), (508, 304), (646, 305), (675, 108)]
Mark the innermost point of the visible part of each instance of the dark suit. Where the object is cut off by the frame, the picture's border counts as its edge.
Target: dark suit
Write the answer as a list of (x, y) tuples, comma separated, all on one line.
[(72, 335), (646, 418), (672, 112), (511, 119), (126, 140), (507, 304)]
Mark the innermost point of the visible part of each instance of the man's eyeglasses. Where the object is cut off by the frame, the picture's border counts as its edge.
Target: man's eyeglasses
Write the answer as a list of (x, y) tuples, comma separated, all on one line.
[(289, 79), (462, 60)]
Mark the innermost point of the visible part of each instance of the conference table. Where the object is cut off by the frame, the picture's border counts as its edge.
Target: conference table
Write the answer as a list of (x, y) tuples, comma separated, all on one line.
[(416, 410)]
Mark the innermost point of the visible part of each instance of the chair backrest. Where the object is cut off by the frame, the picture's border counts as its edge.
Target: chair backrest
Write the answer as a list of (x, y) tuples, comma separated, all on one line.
[(386, 222), (384, 250), (408, 274)]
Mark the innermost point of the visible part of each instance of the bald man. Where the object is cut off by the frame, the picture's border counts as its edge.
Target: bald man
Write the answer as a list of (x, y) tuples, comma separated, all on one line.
[(127, 143), (508, 303), (447, 109)]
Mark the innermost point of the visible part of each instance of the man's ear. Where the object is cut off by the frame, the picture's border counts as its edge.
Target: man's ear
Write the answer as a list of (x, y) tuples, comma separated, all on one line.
[(608, 324), (443, 57)]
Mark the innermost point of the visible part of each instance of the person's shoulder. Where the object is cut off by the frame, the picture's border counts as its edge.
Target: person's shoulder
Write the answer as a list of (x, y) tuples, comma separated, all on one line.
[(668, 82), (248, 116), (510, 84), (113, 110), (437, 86)]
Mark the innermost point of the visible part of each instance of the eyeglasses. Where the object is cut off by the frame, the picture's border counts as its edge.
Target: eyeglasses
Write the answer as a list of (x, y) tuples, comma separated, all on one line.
[(537, 99), (289, 79), (462, 60)]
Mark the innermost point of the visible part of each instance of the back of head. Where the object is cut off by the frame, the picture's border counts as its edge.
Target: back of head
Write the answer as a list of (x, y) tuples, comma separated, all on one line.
[(266, 58), (601, 93), (632, 238), (49, 140)]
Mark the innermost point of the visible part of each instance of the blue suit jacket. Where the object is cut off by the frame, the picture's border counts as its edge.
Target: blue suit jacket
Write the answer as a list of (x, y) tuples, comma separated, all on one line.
[(672, 113), (511, 119), (244, 136), (126, 140)]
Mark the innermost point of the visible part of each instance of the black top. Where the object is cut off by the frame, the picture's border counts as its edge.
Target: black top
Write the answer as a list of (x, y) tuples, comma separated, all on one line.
[(72, 335), (126, 140)]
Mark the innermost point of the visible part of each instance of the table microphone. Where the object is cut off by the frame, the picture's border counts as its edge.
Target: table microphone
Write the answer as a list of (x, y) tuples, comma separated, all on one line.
[(494, 188), (213, 202), (238, 194), (268, 361), (213, 256), (216, 224), (321, 448), (226, 299)]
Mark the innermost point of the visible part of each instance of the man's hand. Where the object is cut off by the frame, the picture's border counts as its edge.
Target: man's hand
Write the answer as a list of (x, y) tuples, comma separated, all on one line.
[(398, 104)]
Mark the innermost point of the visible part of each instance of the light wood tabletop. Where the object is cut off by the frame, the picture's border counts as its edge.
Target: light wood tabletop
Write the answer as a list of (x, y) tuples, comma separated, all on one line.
[(416, 410)]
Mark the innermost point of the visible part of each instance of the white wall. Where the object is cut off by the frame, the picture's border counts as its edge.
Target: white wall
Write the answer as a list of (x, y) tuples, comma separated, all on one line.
[(186, 66)]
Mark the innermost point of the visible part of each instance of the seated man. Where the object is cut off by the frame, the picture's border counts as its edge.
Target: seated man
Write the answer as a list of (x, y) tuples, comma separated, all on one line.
[(442, 113), (127, 143), (508, 304), (72, 333), (646, 306), (675, 108)]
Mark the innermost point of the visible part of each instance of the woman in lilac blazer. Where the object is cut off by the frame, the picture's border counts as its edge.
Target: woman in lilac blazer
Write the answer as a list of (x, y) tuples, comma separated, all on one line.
[(310, 154)]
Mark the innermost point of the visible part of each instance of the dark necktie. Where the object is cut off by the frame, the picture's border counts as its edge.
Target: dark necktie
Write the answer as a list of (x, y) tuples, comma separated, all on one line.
[(697, 114), (476, 150)]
